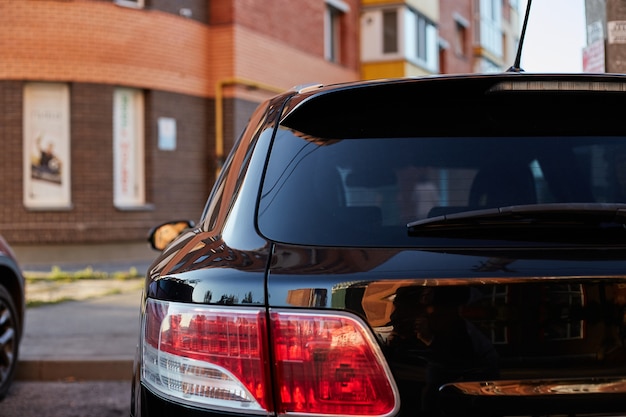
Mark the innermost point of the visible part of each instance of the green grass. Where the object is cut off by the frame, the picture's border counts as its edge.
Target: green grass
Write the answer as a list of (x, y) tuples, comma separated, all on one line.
[(39, 303), (58, 281), (57, 274)]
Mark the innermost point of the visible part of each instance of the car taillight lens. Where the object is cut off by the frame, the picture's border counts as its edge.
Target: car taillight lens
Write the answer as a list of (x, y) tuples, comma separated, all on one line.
[(323, 363), (206, 356), (329, 364)]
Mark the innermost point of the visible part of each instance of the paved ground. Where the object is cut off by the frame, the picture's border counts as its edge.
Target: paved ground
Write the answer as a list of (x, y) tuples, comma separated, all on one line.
[(111, 256), (54, 291), (91, 339), (89, 329), (67, 399)]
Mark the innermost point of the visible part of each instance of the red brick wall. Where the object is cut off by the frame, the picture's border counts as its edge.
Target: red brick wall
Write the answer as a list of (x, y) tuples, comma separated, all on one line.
[(94, 46), (221, 12), (11, 206), (177, 182), (300, 25), (99, 42), (453, 62)]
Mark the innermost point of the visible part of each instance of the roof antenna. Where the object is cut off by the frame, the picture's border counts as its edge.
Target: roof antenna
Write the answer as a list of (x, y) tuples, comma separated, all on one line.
[(518, 59)]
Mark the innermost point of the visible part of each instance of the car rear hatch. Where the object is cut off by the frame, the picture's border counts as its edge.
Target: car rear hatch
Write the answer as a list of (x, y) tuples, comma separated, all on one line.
[(478, 307), (475, 332)]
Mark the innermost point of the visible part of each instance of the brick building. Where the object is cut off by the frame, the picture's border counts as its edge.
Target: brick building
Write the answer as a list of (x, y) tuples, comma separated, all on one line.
[(421, 37), (115, 112)]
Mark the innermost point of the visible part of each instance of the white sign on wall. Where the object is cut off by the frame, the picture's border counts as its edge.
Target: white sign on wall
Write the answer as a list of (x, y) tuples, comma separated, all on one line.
[(128, 148), (46, 140), (616, 31), (167, 133)]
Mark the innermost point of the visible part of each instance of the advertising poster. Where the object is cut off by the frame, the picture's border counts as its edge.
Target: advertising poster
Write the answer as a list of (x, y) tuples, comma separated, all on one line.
[(46, 145), (128, 153)]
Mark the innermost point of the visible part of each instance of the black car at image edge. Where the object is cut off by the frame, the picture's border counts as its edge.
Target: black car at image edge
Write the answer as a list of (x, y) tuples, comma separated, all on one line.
[(12, 305), (447, 245)]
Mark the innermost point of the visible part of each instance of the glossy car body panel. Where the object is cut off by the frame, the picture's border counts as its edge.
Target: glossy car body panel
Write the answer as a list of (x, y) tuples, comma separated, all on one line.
[(13, 279), (12, 311), (446, 318), (467, 328)]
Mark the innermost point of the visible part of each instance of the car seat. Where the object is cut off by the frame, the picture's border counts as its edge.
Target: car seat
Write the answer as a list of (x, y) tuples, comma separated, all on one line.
[(504, 184)]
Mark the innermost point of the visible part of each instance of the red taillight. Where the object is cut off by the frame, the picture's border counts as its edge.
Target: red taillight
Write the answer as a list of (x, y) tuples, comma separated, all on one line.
[(325, 364), (206, 356), (329, 364)]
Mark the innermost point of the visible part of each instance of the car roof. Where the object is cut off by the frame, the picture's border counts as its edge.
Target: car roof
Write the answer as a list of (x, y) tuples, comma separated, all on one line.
[(379, 108)]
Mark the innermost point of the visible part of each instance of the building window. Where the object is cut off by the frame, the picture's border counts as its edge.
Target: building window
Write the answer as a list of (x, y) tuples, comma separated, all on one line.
[(490, 27), (461, 26), (460, 33), (486, 66), (421, 40), (421, 37), (335, 9), (390, 31), (138, 4), (443, 64), (46, 129), (128, 149), (399, 34)]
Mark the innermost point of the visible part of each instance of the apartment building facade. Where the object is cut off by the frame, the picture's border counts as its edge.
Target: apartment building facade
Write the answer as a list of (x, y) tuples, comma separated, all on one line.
[(117, 113), (422, 37)]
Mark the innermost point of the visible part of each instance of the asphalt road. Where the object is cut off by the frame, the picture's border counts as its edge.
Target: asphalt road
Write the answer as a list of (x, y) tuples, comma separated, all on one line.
[(67, 399)]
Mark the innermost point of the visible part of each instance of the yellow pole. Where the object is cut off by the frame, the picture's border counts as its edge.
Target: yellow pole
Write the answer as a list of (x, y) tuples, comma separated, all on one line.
[(219, 111)]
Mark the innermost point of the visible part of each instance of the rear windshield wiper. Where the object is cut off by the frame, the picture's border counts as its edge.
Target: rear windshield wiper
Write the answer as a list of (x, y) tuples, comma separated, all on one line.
[(577, 220)]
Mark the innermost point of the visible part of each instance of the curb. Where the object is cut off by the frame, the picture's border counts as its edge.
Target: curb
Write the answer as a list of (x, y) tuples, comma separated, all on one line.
[(72, 370)]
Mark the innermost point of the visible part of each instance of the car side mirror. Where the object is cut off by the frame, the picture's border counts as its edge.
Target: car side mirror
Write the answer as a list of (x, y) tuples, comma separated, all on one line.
[(162, 235)]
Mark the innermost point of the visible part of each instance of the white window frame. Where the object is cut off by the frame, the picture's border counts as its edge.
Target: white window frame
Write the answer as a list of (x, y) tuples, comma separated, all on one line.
[(372, 38), (372, 35), (136, 4), (332, 29), (491, 26), (387, 30), (461, 28), (421, 40)]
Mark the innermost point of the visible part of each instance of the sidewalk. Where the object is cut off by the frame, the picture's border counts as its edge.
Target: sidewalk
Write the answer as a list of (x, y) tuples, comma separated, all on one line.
[(93, 335), (93, 339)]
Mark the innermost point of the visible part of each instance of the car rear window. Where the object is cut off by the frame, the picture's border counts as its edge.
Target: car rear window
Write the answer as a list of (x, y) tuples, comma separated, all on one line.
[(364, 191)]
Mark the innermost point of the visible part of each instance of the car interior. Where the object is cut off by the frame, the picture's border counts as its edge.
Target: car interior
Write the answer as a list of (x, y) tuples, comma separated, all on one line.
[(419, 178)]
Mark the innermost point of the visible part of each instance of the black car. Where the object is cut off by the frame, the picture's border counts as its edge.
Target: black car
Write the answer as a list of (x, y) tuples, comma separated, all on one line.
[(448, 245), (12, 306)]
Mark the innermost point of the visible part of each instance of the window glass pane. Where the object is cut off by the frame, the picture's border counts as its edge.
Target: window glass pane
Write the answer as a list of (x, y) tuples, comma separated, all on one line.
[(390, 31), (420, 37), (490, 32), (365, 191), (332, 33), (130, 3)]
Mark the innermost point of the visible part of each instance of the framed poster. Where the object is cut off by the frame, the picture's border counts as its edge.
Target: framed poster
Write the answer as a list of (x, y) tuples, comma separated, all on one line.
[(46, 141)]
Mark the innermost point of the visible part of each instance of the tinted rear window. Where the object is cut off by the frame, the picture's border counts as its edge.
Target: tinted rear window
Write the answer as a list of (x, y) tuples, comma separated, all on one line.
[(363, 192)]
